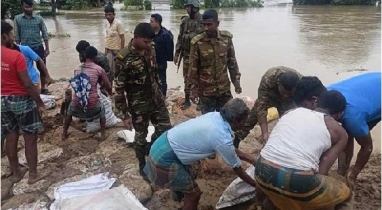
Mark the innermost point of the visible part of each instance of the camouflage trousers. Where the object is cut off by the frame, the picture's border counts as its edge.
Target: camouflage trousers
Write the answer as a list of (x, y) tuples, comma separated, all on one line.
[(214, 103), (186, 65), (159, 118), (281, 105)]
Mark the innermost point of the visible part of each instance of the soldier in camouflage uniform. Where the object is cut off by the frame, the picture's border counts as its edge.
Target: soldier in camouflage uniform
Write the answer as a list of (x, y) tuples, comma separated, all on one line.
[(212, 52), (275, 90), (190, 27), (137, 76)]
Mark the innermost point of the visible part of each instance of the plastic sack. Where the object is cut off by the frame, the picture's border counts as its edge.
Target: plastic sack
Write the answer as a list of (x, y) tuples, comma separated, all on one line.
[(49, 101), (111, 119), (118, 198), (128, 136), (238, 191)]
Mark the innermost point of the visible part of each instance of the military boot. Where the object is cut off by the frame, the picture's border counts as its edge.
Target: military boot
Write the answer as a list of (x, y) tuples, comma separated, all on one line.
[(140, 152), (186, 104)]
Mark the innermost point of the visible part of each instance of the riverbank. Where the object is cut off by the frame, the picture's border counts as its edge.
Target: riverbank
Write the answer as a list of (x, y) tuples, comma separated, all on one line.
[(83, 155)]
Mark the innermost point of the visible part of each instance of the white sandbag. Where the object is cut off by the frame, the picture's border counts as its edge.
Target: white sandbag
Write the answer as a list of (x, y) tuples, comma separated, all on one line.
[(128, 136), (118, 198), (238, 191), (49, 101), (111, 119), (92, 185)]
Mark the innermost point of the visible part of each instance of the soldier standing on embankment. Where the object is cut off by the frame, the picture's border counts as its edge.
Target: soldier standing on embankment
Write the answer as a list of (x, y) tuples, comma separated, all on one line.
[(190, 27)]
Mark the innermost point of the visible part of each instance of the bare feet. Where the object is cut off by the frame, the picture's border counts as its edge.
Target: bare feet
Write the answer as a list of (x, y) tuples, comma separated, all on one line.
[(35, 177), (16, 177)]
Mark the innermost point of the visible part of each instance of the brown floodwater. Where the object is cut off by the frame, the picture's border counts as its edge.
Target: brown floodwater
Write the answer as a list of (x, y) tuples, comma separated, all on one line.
[(325, 41)]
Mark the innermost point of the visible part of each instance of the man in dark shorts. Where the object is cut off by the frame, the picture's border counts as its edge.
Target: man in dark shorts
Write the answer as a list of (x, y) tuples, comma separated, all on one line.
[(30, 29), (21, 107)]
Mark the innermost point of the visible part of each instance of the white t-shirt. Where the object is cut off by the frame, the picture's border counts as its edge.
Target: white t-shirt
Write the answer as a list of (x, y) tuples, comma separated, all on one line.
[(298, 140)]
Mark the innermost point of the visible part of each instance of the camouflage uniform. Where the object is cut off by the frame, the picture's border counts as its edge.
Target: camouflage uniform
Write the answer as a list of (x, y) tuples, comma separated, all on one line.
[(137, 76), (268, 96), (208, 70), (189, 28)]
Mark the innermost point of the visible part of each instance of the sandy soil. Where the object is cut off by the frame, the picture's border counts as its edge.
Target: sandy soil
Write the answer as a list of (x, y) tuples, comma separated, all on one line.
[(113, 155)]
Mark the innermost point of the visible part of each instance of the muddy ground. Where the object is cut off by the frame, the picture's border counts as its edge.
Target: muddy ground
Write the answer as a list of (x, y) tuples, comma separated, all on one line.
[(83, 155)]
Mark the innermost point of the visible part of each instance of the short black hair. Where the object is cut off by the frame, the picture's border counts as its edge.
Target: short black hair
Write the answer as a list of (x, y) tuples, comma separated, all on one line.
[(5, 27), (289, 80), (91, 52), (333, 101), (82, 45), (144, 30), (109, 9), (210, 14), (306, 88), (27, 2), (157, 17)]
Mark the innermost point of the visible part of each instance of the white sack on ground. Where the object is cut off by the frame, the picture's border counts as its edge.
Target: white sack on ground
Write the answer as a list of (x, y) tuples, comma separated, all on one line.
[(118, 198), (111, 119), (238, 191), (48, 100), (89, 186), (128, 136)]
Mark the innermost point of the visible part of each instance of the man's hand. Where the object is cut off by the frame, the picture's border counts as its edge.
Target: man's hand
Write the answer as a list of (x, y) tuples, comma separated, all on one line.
[(128, 124), (194, 97), (48, 80), (238, 90), (176, 58), (265, 138), (42, 110), (47, 52)]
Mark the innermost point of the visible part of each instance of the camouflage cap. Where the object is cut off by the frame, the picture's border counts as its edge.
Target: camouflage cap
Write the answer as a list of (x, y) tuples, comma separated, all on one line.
[(194, 3)]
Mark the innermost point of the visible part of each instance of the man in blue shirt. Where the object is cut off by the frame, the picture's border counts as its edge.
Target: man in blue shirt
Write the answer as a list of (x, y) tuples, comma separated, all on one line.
[(171, 156), (362, 113), (34, 74), (164, 48)]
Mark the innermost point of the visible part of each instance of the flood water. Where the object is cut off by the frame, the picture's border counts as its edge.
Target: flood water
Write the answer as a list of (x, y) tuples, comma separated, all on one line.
[(326, 41)]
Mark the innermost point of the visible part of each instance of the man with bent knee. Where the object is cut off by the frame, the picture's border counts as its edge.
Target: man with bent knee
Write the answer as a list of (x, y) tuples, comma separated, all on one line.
[(173, 153), (293, 166)]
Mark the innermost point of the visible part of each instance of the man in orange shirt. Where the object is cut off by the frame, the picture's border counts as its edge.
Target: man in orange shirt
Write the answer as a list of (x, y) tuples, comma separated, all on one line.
[(21, 107)]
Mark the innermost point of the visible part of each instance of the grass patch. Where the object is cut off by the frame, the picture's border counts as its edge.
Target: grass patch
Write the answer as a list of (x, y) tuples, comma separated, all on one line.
[(57, 35)]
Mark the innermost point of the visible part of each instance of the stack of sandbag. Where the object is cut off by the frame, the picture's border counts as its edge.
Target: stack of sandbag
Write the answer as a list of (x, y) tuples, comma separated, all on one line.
[(111, 119)]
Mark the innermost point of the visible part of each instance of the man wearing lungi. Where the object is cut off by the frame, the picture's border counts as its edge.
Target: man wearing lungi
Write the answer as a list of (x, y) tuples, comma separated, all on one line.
[(293, 166), (171, 156)]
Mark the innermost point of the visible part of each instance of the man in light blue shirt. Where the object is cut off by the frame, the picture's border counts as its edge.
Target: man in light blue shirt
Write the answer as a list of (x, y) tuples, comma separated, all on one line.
[(30, 57), (362, 113), (171, 156)]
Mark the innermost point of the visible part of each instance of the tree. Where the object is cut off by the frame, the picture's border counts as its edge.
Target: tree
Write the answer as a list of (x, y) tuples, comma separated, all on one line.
[(13, 6), (54, 7)]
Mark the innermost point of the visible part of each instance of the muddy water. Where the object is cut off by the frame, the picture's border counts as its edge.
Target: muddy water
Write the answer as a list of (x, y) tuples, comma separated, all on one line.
[(326, 41)]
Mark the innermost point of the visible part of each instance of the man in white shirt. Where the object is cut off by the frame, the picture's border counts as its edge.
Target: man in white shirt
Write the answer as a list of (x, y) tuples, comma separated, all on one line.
[(293, 166), (171, 156)]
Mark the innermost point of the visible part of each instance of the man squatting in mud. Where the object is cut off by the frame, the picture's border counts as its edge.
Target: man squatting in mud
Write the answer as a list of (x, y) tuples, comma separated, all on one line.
[(293, 166), (137, 77), (212, 53)]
